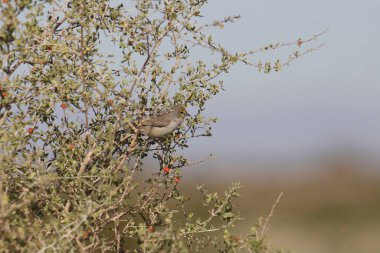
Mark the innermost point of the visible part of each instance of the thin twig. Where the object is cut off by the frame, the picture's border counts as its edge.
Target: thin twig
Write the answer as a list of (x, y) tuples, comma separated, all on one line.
[(266, 223), (200, 161), (84, 85)]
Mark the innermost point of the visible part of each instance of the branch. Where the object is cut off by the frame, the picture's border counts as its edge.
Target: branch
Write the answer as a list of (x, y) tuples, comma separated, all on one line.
[(266, 223), (84, 85), (150, 55), (86, 161)]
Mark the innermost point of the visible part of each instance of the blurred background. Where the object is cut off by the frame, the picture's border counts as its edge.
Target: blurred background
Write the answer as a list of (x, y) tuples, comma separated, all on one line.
[(311, 130)]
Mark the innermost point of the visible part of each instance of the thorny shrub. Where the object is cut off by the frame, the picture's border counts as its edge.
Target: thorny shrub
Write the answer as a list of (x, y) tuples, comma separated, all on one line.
[(70, 148)]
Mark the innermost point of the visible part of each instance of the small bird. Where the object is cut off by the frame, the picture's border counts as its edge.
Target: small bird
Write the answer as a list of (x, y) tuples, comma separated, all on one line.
[(165, 123)]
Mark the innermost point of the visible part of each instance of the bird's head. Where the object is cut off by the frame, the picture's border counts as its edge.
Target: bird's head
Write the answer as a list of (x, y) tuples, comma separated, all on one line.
[(179, 110)]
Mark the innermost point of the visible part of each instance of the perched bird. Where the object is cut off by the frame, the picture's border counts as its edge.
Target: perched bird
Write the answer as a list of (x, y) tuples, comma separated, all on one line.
[(165, 123)]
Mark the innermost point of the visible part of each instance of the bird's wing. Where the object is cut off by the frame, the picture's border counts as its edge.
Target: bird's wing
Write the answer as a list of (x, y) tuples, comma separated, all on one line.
[(156, 121)]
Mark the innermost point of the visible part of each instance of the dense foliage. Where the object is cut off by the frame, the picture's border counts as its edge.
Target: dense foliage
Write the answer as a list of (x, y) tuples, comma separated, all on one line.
[(70, 147)]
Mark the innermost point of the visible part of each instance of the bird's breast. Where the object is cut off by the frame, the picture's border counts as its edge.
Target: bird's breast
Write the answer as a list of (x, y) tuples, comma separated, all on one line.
[(156, 132)]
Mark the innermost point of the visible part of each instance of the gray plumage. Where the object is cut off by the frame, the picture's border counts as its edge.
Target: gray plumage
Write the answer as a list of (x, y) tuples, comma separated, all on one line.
[(165, 123)]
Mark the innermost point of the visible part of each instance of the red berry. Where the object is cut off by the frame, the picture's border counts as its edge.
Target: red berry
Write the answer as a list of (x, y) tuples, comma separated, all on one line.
[(166, 169), (4, 94), (299, 42), (30, 130), (236, 239), (63, 105), (5, 1), (85, 234), (177, 180), (71, 147), (151, 229)]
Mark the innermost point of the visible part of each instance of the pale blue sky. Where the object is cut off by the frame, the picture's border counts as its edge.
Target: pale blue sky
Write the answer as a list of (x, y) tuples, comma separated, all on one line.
[(325, 100)]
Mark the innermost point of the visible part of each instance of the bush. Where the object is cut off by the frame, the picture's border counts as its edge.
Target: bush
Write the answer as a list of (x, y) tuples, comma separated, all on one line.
[(70, 145)]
